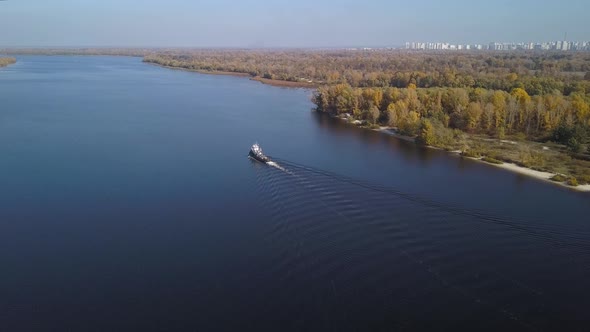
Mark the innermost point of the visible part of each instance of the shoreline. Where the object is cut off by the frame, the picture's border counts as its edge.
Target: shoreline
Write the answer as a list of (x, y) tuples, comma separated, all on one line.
[(538, 175), (284, 84), (200, 71), (267, 81), (544, 176), (7, 61)]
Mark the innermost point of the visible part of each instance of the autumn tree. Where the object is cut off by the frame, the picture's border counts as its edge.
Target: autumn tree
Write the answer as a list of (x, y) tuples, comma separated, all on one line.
[(499, 102), (426, 135), (373, 114), (473, 116)]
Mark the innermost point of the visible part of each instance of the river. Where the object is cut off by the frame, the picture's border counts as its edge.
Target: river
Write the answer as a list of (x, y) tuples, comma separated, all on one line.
[(127, 203)]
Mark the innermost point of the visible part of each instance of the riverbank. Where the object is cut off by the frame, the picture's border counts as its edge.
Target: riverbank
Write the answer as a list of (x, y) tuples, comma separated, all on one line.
[(540, 175), (7, 61), (207, 72), (267, 81), (285, 84), (545, 176)]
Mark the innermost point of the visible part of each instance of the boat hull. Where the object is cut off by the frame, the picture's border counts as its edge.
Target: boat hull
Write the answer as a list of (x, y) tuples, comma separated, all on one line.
[(262, 159)]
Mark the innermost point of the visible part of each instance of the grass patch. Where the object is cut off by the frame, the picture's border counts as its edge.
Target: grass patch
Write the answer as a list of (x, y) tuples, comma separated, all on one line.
[(492, 160), (470, 154), (572, 182), (558, 178), (373, 126), (531, 154), (584, 179)]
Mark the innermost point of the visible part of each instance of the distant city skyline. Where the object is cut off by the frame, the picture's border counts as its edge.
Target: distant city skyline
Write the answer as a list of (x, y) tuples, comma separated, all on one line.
[(560, 45), (283, 23)]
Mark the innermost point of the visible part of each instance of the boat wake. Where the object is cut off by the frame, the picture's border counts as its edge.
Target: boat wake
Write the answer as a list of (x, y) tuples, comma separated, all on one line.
[(277, 166), (558, 236)]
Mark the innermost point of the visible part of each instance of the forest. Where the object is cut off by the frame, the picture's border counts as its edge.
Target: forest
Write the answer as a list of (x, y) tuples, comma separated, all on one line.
[(473, 110), (536, 73)]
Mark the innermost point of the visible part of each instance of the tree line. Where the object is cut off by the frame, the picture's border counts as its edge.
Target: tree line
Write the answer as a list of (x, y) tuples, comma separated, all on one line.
[(537, 73), (497, 113)]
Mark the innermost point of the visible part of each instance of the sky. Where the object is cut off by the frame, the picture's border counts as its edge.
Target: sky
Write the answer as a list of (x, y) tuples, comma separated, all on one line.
[(286, 23)]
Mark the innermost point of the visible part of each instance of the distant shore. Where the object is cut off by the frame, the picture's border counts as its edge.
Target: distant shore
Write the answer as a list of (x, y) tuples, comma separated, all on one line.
[(539, 175), (286, 84), (273, 82), (7, 61)]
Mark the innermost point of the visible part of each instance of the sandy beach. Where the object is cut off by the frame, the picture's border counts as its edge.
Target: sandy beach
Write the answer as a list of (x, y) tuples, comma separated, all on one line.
[(545, 176)]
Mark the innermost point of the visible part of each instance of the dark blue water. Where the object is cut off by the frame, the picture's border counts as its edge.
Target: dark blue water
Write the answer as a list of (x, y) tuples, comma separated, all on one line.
[(127, 203)]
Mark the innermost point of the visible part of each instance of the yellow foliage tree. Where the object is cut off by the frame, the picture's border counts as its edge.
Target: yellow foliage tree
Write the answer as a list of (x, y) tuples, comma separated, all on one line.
[(474, 112), (581, 108)]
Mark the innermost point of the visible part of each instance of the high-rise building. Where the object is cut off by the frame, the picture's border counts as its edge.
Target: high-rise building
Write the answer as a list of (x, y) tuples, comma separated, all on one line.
[(562, 45)]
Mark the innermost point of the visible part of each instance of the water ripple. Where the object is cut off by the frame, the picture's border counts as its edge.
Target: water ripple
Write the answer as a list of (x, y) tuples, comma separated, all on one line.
[(357, 243)]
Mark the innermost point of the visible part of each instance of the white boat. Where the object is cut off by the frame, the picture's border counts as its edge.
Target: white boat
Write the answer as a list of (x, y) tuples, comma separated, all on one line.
[(257, 154)]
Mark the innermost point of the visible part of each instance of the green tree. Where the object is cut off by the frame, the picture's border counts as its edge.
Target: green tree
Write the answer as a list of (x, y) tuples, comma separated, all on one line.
[(427, 135), (320, 99), (501, 132), (373, 115), (574, 145), (571, 136)]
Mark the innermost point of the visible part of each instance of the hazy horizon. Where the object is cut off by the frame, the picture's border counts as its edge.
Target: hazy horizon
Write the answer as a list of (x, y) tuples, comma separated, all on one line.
[(282, 24)]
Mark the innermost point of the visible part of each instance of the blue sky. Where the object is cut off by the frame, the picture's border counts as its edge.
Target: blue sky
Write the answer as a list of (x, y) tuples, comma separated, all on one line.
[(286, 23)]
